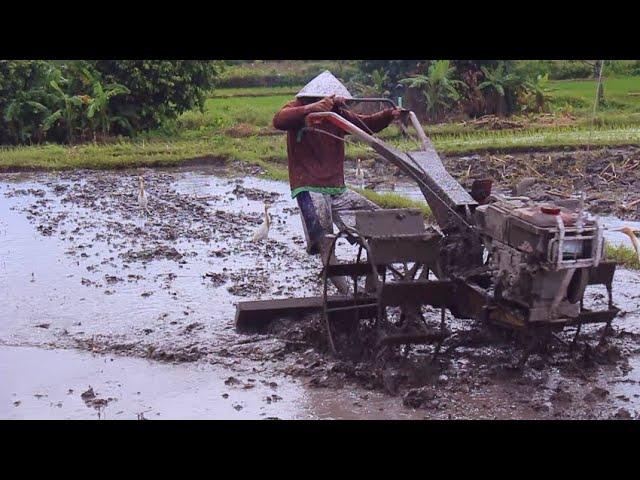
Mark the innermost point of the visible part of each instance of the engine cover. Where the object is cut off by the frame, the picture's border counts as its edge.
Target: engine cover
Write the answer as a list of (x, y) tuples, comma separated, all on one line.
[(540, 254)]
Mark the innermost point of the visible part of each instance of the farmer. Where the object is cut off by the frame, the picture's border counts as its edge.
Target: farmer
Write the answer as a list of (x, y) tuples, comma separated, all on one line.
[(316, 161)]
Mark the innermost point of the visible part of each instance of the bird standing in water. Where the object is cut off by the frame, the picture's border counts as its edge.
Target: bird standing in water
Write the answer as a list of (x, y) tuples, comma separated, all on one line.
[(632, 234), (359, 173), (143, 200), (263, 230)]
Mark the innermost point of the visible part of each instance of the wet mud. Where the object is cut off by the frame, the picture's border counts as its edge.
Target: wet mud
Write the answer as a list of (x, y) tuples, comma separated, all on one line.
[(610, 177), (86, 275)]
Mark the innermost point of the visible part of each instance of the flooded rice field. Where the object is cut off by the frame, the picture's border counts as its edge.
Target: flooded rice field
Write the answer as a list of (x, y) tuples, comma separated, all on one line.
[(108, 313)]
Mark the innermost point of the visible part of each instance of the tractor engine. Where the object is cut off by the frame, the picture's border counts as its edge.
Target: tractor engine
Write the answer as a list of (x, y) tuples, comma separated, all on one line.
[(540, 254)]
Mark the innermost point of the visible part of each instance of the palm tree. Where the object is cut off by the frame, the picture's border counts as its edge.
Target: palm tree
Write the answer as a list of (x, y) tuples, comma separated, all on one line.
[(438, 87)]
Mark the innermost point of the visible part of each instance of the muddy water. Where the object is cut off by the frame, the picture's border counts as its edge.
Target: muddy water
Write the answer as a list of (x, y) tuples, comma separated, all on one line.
[(70, 279), (79, 283), (93, 293), (49, 384)]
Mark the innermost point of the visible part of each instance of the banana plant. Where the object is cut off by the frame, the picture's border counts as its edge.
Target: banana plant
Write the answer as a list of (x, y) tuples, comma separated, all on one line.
[(68, 113), (380, 79), (501, 89), (439, 88), (540, 91), (25, 112), (22, 115), (98, 111)]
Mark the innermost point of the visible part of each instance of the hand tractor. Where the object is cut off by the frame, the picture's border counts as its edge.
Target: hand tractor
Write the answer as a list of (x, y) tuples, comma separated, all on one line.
[(502, 260)]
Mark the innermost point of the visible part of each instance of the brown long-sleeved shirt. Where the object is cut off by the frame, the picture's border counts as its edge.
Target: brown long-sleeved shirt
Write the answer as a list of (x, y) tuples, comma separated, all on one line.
[(316, 160)]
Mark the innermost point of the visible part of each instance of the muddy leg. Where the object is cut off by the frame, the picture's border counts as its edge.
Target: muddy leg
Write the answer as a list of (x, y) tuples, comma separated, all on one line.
[(531, 347), (575, 337), (315, 210), (329, 258), (314, 222), (443, 327), (605, 331)]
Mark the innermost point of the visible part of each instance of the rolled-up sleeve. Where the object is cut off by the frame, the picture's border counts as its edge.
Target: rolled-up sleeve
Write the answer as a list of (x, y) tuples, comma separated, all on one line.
[(290, 117), (374, 122)]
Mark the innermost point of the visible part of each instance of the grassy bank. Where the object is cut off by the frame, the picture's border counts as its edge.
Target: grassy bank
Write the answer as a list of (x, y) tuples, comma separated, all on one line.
[(260, 149), (255, 92)]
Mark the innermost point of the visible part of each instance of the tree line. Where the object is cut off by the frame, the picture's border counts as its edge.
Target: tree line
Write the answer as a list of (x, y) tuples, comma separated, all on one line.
[(72, 101)]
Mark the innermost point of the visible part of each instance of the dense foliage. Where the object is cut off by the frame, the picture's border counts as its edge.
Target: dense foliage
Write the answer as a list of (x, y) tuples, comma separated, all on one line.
[(22, 91), (82, 100), (438, 87), (281, 73), (159, 90), (477, 87)]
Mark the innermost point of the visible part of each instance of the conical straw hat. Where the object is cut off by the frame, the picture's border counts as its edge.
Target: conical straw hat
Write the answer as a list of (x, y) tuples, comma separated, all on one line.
[(324, 85)]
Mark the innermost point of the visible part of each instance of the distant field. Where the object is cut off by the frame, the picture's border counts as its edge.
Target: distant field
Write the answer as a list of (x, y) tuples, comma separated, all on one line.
[(220, 113), (581, 94), (255, 91), (282, 72)]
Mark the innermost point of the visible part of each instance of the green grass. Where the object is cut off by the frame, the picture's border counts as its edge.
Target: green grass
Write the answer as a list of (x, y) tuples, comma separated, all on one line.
[(255, 92), (229, 107), (541, 139), (220, 113), (623, 255), (394, 200), (581, 94), (272, 149)]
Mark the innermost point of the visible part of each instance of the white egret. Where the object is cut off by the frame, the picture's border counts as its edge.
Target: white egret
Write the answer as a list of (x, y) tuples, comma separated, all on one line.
[(143, 199), (359, 173), (632, 234), (262, 233)]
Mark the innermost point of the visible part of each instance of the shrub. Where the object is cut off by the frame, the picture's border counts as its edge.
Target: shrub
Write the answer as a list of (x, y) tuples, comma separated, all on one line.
[(394, 70), (569, 69), (502, 87), (23, 96), (159, 89), (63, 101), (281, 73), (438, 87)]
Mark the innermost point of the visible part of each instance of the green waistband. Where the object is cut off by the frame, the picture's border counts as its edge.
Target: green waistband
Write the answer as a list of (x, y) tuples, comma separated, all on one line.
[(327, 190)]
